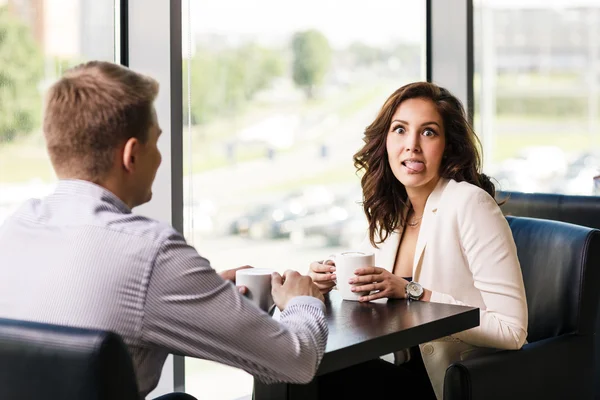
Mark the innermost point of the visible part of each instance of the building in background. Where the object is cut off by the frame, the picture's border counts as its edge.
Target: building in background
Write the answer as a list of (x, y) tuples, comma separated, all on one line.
[(69, 30)]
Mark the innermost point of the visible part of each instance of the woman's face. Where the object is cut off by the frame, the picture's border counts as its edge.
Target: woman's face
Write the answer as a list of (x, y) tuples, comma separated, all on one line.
[(415, 144)]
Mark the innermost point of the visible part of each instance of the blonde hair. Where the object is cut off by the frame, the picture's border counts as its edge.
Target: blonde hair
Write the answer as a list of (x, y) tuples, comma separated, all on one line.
[(94, 108)]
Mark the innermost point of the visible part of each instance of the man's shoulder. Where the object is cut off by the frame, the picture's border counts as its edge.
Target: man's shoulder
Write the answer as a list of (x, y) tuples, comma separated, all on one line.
[(26, 210), (40, 212), (142, 226)]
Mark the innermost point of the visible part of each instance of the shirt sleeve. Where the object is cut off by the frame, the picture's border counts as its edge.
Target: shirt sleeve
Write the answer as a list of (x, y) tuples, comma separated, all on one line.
[(190, 310), (492, 258)]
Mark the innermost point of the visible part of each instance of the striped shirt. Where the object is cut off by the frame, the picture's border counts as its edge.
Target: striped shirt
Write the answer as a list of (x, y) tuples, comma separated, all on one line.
[(80, 257)]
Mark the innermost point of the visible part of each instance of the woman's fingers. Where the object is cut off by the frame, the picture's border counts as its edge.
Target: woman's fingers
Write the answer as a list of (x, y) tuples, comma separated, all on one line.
[(374, 296), (321, 268), (325, 287), (369, 271), (368, 288), (364, 278), (322, 277)]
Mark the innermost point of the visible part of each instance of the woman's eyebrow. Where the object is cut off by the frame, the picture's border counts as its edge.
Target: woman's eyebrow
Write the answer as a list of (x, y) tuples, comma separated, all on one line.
[(423, 124)]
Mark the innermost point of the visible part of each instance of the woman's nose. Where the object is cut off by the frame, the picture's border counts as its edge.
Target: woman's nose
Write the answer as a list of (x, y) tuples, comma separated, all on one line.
[(412, 142)]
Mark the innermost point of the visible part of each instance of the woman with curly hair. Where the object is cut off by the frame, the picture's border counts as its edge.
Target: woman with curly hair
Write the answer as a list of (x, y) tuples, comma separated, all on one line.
[(436, 231)]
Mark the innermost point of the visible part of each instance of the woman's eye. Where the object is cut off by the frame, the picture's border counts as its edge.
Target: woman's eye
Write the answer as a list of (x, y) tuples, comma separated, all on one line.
[(428, 132), (398, 129)]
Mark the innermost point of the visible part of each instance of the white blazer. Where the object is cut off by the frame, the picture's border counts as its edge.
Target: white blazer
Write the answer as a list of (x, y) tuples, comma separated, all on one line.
[(465, 255)]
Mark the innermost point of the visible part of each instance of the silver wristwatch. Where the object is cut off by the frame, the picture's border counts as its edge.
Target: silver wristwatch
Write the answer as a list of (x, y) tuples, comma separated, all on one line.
[(414, 291)]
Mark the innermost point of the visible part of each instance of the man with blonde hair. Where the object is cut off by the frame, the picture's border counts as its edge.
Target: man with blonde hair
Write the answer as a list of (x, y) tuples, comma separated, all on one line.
[(80, 257)]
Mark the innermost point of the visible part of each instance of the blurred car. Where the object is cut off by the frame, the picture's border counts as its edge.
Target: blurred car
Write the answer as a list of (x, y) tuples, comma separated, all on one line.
[(242, 223), (278, 219), (581, 174), (582, 184), (533, 169), (343, 223), (202, 213), (275, 223), (349, 232)]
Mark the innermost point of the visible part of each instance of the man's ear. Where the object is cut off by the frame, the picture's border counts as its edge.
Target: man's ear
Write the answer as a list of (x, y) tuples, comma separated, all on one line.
[(130, 153)]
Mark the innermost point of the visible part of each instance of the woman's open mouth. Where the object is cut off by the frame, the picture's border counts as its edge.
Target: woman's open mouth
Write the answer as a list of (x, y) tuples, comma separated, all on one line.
[(414, 166)]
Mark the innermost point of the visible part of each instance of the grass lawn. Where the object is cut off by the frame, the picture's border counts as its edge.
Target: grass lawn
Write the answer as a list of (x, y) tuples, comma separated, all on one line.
[(337, 174), (507, 146), (25, 160), (208, 142)]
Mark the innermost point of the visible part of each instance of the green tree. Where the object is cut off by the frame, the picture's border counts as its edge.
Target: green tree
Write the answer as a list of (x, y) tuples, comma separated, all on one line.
[(261, 66), (21, 71), (364, 55), (312, 58), (223, 81)]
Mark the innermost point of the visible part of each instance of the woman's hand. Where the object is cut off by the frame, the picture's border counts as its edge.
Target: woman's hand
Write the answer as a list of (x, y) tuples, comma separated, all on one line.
[(229, 275), (380, 280), (323, 275)]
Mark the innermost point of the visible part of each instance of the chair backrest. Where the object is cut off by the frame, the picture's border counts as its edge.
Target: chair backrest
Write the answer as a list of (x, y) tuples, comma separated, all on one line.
[(42, 361), (580, 210), (560, 264)]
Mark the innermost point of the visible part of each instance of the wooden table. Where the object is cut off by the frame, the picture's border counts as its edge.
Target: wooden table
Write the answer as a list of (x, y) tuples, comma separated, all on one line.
[(360, 332)]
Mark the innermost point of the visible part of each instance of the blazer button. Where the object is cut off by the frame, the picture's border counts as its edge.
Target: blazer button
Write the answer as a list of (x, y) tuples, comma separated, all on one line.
[(428, 349)]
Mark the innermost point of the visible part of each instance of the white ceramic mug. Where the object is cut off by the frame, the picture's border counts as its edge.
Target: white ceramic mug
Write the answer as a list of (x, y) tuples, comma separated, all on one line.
[(258, 283), (345, 265)]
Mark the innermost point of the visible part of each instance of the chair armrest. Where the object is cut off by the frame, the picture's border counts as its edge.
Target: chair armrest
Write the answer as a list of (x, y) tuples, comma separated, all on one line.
[(555, 368)]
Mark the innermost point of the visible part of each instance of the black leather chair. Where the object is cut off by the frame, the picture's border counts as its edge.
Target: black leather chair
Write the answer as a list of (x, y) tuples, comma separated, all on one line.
[(48, 362), (580, 210), (561, 271)]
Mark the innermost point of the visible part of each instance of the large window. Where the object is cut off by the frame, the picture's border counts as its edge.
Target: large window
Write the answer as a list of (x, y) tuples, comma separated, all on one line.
[(39, 39), (537, 94), (276, 98)]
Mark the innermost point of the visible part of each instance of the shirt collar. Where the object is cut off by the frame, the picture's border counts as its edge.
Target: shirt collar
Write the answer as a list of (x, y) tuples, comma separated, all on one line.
[(76, 187)]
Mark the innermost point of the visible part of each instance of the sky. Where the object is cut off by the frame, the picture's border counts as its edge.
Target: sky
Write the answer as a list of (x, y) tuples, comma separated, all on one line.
[(375, 22), (539, 3)]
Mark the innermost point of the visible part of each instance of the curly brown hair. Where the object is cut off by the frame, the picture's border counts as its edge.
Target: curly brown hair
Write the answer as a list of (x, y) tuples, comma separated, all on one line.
[(384, 197)]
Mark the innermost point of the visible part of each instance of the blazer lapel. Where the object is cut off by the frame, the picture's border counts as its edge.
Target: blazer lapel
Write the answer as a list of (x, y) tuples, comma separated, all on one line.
[(428, 224)]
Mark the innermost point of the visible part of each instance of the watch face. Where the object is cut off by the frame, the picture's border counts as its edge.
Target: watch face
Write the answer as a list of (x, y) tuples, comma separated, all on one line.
[(414, 289)]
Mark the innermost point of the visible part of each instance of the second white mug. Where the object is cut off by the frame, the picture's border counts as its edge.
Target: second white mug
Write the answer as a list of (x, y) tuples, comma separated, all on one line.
[(258, 283)]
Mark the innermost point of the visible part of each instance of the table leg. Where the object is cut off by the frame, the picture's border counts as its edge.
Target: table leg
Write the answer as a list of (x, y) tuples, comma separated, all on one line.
[(285, 391)]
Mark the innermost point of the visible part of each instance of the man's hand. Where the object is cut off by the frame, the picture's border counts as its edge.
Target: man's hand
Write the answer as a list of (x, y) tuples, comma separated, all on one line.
[(229, 275), (291, 285)]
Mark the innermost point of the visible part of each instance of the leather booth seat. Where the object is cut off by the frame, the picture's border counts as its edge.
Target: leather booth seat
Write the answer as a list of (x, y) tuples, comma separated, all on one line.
[(579, 210), (560, 264)]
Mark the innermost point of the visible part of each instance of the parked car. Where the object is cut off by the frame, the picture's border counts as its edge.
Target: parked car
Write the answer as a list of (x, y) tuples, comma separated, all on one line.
[(278, 219), (343, 223)]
